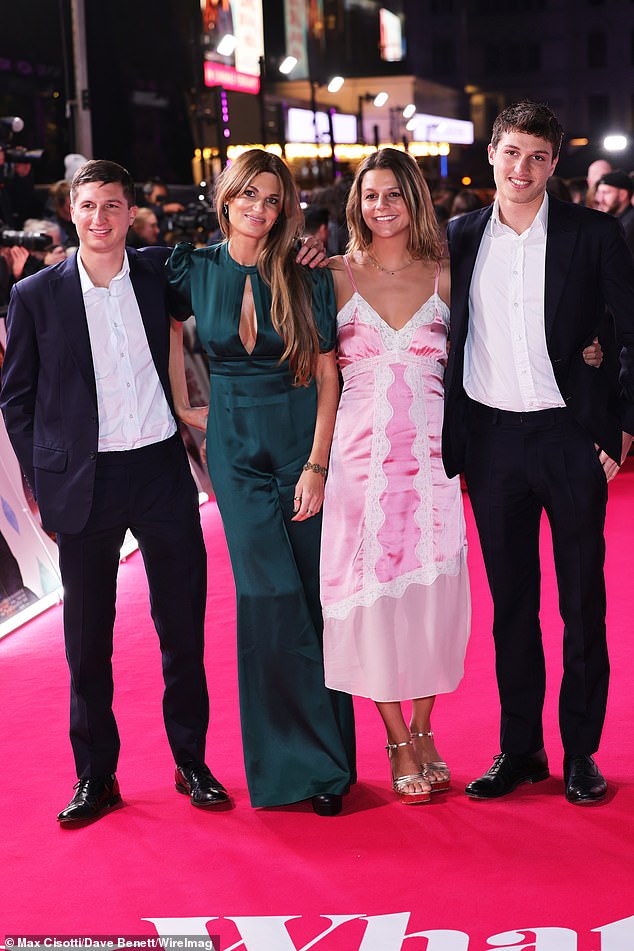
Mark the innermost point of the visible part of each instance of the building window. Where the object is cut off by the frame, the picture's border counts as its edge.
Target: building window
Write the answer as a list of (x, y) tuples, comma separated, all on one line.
[(598, 112), (597, 49), (443, 56)]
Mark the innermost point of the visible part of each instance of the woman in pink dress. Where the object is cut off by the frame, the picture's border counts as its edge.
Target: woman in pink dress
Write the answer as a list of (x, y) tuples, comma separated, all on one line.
[(394, 582)]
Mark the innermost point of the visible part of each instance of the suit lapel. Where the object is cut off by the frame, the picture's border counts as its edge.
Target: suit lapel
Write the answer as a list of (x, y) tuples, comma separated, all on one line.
[(560, 243), (149, 291), (464, 252), (68, 302)]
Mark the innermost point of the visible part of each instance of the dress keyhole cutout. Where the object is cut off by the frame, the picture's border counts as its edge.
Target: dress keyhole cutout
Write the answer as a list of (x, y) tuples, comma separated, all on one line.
[(248, 330)]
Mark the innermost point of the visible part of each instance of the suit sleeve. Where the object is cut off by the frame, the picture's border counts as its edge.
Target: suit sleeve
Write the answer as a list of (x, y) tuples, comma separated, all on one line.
[(20, 373)]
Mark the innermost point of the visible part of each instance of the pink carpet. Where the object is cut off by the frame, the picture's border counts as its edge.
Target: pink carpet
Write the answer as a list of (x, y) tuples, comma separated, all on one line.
[(530, 872)]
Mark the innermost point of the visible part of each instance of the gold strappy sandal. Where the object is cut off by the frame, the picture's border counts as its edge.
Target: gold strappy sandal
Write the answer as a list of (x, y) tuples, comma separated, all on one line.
[(442, 783), (399, 783)]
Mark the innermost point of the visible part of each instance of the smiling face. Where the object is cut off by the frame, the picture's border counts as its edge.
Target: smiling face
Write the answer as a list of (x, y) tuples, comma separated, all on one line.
[(383, 207), (102, 216), (255, 210), (522, 165)]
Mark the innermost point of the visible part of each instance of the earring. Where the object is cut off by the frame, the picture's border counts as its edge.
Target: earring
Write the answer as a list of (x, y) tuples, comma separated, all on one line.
[(225, 210)]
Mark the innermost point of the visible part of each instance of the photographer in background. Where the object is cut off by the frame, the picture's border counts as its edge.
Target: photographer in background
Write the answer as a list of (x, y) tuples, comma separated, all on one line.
[(33, 258), (156, 199), (59, 213)]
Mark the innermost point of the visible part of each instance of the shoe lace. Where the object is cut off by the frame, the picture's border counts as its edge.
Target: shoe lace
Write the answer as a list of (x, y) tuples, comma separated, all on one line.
[(498, 762)]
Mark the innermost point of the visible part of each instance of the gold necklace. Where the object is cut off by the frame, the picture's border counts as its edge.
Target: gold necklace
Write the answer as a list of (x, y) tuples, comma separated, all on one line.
[(387, 270)]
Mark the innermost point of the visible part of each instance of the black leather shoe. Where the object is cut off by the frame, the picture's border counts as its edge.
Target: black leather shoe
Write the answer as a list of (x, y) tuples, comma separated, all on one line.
[(94, 795), (197, 781), (327, 804), (507, 772), (584, 783)]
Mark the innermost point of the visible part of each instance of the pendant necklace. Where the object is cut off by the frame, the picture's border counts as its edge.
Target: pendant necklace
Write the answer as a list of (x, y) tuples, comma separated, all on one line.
[(387, 270)]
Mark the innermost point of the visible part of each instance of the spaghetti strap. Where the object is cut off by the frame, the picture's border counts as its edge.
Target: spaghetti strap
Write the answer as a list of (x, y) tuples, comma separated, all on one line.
[(349, 270), (437, 277)]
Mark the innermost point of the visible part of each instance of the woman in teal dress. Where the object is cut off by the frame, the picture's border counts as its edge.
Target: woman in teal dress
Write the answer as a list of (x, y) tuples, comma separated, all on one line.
[(268, 327)]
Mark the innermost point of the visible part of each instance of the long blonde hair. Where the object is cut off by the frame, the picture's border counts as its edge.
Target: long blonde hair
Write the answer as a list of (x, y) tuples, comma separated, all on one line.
[(291, 310), (424, 240)]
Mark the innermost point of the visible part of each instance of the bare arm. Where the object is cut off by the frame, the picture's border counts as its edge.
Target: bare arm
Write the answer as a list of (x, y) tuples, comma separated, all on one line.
[(193, 416), (309, 491)]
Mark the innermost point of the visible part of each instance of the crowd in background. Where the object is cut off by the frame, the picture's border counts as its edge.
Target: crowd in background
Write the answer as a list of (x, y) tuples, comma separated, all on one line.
[(163, 221)]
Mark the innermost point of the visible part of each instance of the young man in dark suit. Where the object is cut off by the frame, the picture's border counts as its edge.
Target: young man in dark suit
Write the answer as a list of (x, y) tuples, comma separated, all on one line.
[(534, 428), (88, 408)]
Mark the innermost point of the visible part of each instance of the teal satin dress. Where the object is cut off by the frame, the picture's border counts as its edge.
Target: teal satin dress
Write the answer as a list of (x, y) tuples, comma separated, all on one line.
[(298, 736)]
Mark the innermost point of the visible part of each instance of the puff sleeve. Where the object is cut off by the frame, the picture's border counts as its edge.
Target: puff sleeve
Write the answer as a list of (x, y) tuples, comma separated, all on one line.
[(324, 308), (178, 269)]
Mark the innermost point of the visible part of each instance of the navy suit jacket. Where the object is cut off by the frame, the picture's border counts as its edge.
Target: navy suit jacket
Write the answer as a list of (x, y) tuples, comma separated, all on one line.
[(49, 397), (588, 267)]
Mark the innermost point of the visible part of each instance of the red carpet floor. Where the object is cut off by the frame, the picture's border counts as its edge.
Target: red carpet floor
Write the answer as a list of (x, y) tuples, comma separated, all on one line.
[(530, 872)]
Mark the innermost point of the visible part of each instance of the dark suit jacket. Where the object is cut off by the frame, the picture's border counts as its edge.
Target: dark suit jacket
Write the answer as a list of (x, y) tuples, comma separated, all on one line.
[(588, 267), (49, 397)]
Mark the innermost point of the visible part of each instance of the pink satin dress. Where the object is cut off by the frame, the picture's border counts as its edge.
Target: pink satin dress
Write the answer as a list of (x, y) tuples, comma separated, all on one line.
[(394, 581)]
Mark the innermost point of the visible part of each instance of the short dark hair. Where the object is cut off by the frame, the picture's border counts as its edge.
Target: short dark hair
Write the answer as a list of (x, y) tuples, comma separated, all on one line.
[(100, 170), (314, 217), (533, 118)]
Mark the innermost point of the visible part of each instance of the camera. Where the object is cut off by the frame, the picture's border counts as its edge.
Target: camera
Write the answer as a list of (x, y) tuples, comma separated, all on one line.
[(31, 240), (197, 220), (15, 154)]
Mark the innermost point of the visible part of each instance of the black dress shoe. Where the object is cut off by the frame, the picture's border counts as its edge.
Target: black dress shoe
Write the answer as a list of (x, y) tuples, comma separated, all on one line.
[(94, 795), (197, 781), (327, 804), (584, 783), (507, 772)]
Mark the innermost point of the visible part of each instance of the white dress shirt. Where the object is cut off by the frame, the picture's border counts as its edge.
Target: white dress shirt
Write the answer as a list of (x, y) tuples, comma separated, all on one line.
[(133, 410), (506, 360)]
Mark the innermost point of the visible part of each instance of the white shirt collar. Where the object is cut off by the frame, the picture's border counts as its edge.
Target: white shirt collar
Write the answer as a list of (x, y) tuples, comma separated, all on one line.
[(540, 221), (86, 283)]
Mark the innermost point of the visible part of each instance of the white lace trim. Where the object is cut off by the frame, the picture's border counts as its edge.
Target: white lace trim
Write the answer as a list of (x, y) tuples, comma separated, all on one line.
[(377, 480), (395, 587), (433, 309), (423, 483)]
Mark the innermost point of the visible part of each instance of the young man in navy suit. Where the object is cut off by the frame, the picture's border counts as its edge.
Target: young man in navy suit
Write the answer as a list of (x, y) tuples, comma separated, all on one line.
[(88, 408), (534, 428)]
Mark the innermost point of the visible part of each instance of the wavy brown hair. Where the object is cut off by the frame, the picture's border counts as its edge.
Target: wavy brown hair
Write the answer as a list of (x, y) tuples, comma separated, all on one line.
[(291, 310), (424, 240)]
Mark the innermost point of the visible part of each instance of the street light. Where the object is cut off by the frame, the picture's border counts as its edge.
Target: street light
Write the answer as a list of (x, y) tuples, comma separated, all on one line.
[(227, 45), (378, 100), (333, 86), (288, 65), (615, 143)]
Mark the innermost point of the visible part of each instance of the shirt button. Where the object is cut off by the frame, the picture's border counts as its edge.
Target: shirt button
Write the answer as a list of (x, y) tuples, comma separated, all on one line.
[(92, 455)]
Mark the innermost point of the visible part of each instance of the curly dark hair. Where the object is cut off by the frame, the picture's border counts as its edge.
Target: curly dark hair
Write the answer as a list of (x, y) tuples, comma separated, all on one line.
[(533, 118)]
